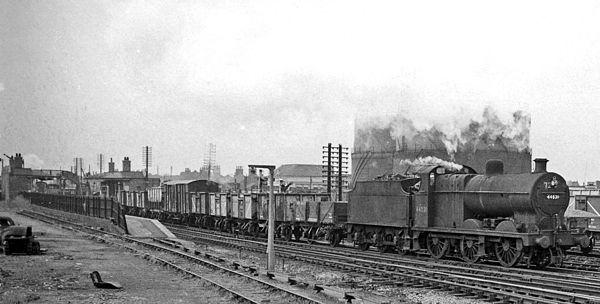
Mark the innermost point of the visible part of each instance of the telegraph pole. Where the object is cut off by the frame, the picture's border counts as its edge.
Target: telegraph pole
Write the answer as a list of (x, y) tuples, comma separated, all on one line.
[(336, 161), (271, 224), (341, 169)]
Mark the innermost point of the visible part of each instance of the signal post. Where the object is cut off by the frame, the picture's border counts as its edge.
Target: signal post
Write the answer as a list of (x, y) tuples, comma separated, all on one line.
[(271, 223)]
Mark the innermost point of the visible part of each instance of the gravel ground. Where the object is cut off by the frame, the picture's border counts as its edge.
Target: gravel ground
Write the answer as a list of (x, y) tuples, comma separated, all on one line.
[(62, 274), (360, 284)]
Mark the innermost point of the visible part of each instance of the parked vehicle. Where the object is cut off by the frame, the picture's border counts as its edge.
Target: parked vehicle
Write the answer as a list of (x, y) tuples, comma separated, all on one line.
[(17, 239)]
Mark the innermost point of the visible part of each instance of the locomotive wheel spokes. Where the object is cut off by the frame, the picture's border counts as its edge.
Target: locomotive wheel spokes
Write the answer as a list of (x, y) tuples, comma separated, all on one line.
[(468, 250), (437, 247), (507, 253)]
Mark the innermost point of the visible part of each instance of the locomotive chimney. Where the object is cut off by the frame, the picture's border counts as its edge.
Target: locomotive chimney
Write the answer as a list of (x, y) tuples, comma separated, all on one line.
[(494, 167), (540, 165)]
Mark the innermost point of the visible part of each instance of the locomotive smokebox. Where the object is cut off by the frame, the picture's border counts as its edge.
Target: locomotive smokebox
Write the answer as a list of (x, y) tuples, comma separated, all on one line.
[(494, 167), (540, 165)]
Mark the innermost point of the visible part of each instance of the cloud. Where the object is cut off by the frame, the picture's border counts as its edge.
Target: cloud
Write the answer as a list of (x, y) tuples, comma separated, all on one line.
[(33, 161)]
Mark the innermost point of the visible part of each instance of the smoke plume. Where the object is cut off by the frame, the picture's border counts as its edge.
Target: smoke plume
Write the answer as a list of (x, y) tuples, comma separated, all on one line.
[(429, 161), (489, 132)]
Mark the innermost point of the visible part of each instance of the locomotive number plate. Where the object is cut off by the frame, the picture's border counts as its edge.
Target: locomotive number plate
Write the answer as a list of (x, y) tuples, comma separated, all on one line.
[(552, 196)]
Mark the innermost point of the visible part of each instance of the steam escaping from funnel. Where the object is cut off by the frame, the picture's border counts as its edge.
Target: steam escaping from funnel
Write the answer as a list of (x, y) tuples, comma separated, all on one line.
[(399, 133), (429, 161)]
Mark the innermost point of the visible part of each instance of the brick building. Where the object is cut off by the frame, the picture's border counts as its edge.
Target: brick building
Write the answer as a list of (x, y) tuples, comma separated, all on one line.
[(112, 182)]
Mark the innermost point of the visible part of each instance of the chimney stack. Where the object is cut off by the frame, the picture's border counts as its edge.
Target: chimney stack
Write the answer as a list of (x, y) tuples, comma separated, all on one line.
[(126, 164), (540, 165), (111, 166)]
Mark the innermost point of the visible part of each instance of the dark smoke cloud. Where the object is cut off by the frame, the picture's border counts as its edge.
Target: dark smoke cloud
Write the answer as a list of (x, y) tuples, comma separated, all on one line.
[(489, 132)]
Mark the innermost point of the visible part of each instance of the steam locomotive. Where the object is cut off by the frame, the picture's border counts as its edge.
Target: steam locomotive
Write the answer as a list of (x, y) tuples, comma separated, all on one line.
[(454, 211)]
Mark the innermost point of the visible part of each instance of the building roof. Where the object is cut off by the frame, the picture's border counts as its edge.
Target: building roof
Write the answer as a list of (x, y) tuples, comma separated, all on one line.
[(183, 182), (299, 170), (119, 175)]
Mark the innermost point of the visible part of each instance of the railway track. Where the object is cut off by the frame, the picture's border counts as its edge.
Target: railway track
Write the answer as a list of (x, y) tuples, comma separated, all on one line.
[(585, 263), (489, 282), (239, 285)]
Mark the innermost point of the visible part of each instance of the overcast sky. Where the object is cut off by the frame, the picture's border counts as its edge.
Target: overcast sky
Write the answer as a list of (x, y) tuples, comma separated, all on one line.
[(272, 81)]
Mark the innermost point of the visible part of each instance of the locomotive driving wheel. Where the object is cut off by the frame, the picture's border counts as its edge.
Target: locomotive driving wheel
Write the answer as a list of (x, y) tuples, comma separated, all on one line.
[(468, 250), (507, 252), (437, 246)]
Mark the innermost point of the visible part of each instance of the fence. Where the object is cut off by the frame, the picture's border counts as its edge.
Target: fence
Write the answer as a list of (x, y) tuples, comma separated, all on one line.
[(95, 206)]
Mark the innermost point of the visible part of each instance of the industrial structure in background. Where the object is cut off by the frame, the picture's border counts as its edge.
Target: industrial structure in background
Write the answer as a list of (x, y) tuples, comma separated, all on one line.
[(147, 158), (335, 168), (100, 162), (210, 157)]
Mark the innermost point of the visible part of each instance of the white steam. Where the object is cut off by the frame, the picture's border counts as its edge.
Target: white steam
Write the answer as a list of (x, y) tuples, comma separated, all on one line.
[(429, 161), (452, 133)]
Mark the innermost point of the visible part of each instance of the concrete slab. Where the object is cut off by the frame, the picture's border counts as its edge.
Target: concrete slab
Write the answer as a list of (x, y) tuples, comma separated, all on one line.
[(143, 227)]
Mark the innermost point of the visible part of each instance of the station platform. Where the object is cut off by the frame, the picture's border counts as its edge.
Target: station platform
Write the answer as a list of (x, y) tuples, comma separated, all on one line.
[(143, 227)]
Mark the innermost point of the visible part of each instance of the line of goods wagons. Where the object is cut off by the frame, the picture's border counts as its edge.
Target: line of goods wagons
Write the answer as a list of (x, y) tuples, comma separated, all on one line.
[(202, 197)]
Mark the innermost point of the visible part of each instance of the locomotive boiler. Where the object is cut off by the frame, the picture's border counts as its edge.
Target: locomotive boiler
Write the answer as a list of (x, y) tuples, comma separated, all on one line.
[(451, 210)]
